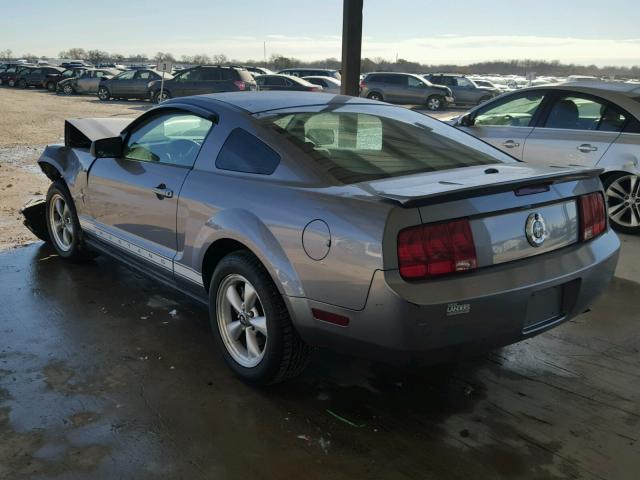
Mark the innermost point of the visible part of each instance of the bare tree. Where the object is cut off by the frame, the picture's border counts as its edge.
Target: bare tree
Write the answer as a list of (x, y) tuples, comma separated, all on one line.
[(97, 56), (201, 59), (219, 59), (74, 54), (164, 57)]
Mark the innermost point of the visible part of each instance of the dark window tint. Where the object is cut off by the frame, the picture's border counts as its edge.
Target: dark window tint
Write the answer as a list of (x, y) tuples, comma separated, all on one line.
[(275, 81), (211, 74), (393, 79), (143, 75), (228, 74), (633, 126), (243, 152)]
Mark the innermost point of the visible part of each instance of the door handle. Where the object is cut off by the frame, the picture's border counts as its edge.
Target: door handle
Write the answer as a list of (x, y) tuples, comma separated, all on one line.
[(586, 148), (162, 191), (510, 144)]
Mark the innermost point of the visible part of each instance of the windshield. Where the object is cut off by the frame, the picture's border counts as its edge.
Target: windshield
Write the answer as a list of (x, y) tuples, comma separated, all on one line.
[(363, 143)]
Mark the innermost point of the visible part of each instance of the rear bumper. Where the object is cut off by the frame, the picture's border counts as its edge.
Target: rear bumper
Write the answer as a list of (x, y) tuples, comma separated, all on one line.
[(445, 319)]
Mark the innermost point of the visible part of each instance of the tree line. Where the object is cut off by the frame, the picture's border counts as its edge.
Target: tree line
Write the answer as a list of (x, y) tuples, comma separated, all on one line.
[(277, 62)]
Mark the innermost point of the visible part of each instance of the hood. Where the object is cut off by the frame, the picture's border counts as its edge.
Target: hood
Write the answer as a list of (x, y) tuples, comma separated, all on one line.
[(408, 190), (81, 132)]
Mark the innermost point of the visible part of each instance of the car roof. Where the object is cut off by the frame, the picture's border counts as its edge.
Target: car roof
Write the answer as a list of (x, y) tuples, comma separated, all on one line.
[(256, 102)]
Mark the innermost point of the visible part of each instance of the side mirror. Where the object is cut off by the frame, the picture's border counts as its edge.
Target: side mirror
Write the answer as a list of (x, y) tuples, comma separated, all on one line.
[(107, 147), (465, 120)]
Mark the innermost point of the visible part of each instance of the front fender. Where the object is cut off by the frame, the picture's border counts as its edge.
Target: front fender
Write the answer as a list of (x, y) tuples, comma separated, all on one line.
[(68, 164), (245, 227)]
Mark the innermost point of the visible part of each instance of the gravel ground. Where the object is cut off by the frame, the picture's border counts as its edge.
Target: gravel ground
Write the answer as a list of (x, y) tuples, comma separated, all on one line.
[(30, 120)]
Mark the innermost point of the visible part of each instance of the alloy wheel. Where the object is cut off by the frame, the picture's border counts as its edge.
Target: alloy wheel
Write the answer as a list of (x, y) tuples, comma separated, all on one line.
[(241, 320), (623, 199), (434, 103), (61, 222), (67, 89), (103, 94)]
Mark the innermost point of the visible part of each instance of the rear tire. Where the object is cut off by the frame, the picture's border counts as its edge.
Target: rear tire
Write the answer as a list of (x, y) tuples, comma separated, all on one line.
[(63, 225), (255, 357), (622, 191), (435, 102), (12, 83), (375, 96), (486, 98), (68, 90), (22, 83), (51, 86)]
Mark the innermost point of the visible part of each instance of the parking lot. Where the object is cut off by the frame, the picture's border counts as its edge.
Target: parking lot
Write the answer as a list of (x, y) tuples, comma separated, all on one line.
[(105, 374)]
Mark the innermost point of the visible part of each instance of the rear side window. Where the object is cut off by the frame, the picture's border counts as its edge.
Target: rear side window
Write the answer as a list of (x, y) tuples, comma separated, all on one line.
[(228, 74), (244, 152), (211, 74), (633, 126)]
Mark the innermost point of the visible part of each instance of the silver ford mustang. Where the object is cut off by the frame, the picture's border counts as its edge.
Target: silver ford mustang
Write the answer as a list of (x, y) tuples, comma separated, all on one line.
[(309, 220)]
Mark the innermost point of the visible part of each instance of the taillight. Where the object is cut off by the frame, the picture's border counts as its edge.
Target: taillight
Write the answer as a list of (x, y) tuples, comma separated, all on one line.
[(314, 89), (240, 84), (436, 249), (593, 220)]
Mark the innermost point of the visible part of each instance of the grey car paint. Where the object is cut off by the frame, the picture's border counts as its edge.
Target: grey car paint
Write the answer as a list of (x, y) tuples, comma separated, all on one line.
[(465, 91), (131, 83), (358, 224), (403, 88), (88, 82)]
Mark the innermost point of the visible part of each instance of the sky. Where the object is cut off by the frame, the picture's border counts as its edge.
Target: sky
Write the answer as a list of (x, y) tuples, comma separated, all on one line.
[(433, 32)]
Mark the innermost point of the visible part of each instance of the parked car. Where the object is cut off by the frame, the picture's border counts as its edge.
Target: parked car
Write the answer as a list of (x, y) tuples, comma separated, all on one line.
[(328, 84), (203, 79), (313, 220), (592, 125), (129, 84), (36, 77), (311, 72), (258, 70), (465, 91), (86, 83), (52, 80), (486, 83), (405, 88), (10, 75), (76, 64), (285, 82)]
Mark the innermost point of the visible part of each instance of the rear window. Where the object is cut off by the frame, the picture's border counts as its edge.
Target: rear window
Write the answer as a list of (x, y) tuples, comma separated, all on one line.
[(244, 152), (355, 144)]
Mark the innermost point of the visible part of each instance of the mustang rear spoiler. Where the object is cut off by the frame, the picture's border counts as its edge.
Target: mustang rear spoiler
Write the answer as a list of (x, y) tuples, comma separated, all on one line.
[(82, 132), (452, 193)]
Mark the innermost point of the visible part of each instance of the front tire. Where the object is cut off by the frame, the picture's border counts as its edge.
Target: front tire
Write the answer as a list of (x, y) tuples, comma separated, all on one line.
[(103, 94), (68, 90), (159, 99), (435, 102), (251, 322), (51, 86), (622, 191), (22, 83), (484, 99), (63, 225), (375, 96)]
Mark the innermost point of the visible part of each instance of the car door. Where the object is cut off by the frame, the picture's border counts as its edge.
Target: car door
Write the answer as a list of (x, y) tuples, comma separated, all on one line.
[(416, 92), (464, 90), (139, 84), (83, 84), (507, 122), (122, 84), (189, 83), (31, 76), (133, 198), (577, 130), (395, 87)]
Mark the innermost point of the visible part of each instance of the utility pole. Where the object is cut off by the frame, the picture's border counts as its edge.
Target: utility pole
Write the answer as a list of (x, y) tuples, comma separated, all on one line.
[(264, 53), (351, 47)]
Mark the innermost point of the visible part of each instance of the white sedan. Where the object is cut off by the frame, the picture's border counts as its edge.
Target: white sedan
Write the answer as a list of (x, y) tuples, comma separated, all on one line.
[(592, 124)]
